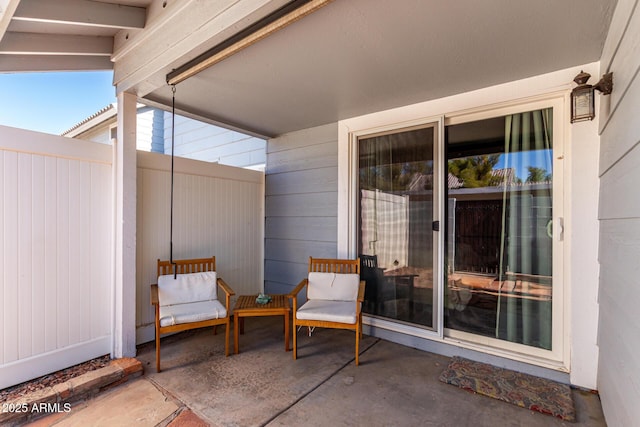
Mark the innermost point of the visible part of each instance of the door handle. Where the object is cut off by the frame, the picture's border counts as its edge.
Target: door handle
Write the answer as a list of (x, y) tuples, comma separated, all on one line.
[(560, 221), (560, 229)]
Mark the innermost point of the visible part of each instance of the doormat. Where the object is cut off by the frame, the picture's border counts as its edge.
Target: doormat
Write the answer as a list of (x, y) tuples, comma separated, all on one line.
[(526, 391)]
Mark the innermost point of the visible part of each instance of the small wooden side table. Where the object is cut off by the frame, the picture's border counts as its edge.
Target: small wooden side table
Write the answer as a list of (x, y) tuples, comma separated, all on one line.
[(246, 306)]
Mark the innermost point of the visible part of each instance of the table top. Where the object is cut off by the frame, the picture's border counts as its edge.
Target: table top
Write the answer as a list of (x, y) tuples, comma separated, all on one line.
[(278, 302)]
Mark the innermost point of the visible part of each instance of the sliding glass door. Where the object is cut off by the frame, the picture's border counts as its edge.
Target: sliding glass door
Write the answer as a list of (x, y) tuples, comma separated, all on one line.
[(395, 224), (500, 228), (458, 225)]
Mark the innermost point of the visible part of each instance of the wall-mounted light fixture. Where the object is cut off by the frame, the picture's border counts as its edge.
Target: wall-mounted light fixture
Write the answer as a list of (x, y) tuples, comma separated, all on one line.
[(582, 96)]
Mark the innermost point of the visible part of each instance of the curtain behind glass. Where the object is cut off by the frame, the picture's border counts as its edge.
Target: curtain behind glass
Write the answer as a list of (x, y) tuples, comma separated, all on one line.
[(524, 300), (395, 216)]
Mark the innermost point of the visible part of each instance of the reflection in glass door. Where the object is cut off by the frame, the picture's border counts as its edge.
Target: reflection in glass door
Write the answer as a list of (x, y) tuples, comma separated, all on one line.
[(499, 228), (395, 236)]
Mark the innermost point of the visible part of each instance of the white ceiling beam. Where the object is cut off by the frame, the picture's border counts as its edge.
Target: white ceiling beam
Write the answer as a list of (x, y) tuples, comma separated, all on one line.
[(54, 44), (81, 12), (143, 60), (209, 59), (42, 63), (149, 101), (7, 9)]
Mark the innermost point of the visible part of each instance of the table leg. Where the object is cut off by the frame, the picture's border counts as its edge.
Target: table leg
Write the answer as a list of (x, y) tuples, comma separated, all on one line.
[(236, 330)]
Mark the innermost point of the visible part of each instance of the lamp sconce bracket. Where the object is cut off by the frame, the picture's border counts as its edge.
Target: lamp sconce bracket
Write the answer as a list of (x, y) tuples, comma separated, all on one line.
[(605, 85)]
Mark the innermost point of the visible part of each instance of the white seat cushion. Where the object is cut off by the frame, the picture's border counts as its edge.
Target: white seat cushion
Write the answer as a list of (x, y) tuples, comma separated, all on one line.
[(330, 311), (332, 286), (187, 288), (193, 312)]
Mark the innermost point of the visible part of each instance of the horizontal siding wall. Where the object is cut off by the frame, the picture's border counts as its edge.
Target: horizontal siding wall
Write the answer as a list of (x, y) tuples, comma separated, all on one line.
[(193, 139), (150, 129), (100, 135), (301, 204), (202, 141), (218, 211), (56, 215), (619, 325)]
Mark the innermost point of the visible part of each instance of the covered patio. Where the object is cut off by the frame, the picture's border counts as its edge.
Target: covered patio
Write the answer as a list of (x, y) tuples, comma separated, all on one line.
[(313, 78), (262, 386)]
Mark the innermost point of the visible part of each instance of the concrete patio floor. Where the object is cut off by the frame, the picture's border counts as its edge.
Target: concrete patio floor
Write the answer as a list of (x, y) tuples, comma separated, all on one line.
[(262, 386)]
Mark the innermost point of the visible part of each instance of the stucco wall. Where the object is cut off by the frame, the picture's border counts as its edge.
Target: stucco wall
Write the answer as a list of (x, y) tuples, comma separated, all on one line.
[(619, 325)]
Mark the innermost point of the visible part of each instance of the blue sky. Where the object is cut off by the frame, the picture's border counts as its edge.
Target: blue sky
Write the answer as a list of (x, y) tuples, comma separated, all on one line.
[(53, 102), (521, 160)]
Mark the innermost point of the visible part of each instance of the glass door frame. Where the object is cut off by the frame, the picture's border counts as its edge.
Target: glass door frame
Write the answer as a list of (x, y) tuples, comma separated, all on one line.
[(347, 243), (559, 350), (458, 112)]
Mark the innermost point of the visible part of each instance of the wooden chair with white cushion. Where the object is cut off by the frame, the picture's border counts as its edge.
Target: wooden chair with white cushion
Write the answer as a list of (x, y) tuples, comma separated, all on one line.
[(186, 297), (334, 298)]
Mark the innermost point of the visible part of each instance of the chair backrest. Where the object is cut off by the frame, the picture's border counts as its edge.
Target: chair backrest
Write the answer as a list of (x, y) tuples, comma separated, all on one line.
[(333, 279), (195, 281), (330, 265), (184, 266), (369, 261), (369, 270)]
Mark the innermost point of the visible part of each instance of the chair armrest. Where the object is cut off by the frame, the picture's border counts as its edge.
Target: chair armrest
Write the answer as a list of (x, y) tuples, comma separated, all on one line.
[(228, 291), (154, 295), (361, 291), (294, 293), (226, 288)]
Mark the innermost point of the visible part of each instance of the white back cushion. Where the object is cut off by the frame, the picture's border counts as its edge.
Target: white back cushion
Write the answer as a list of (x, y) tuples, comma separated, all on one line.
[(333, 287), (187, 288)]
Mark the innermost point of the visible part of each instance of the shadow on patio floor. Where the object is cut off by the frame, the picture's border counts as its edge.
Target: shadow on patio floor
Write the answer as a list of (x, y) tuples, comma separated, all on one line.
[(263, 385)]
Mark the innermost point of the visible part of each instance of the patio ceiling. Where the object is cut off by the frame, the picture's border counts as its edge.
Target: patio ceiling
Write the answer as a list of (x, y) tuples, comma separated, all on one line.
[(64, 35), (349, 58), (359, 56)]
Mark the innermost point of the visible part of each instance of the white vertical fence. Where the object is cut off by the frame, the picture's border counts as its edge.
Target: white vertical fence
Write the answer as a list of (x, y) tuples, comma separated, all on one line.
[(218, 211), (56, 243), (56, 216)]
